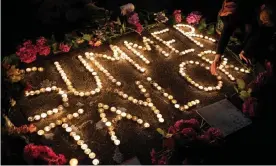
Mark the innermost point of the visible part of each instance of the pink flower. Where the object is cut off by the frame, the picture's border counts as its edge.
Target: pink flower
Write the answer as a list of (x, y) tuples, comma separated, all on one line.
[(153, 156), (172, 130), (177, 16), (249, 107), (214, 133), (64, 47), (133, 19), (192, 123), (193, 18), (139, 28), (44, 153), (179, 124), (163, 160), (189, 132), (41, 41), (43, 50), (27, 52)]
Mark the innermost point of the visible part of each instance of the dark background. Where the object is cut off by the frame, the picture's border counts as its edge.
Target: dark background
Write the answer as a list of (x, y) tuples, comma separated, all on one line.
[(29, 19)]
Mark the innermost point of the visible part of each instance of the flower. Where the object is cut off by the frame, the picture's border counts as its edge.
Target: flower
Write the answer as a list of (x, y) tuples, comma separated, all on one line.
[(43, 50), (32, 128), (163, 160), (259, 82), (177, 16), (139, 28), (97, 43), (161, 17), (214, 133), (269, 68), (91, 43), (14, 74), (44, 153), (172, 130), (178, 124), (27, 52), (189, 132), (79, 41), (41, 41), (204, 138), (193, 17), (64, 47), (249, 107), (153, 156), (28, 87), (127, 8), (133, 19), (192, 123)]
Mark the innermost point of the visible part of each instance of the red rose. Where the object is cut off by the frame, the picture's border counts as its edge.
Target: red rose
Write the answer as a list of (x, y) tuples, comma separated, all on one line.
[(177, 16), (204, 138)]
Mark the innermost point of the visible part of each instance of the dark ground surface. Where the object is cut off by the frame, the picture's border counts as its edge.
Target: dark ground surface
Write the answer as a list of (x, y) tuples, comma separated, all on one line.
[(251, 145)]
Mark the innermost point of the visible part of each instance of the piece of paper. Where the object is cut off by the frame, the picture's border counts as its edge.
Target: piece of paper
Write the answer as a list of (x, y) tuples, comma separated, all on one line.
[(225, 116)]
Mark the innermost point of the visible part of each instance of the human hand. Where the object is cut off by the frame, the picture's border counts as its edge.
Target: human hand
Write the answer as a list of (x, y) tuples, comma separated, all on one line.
[(215, 64), (243, 57)]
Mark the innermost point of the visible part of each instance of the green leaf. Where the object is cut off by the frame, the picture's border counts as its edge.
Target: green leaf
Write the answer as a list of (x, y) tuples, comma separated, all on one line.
[(75, 44), (211, 30), (202, 25), (244, 95), (236, 89), (160, 131), (123, 27), (54, 47), (86, 37), (241, 84)]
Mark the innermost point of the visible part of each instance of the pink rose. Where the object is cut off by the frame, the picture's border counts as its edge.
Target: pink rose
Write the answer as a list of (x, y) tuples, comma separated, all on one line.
[(177, 16), (44, 50), (193, 18), (27, 52), (133, 19), (64, 47)]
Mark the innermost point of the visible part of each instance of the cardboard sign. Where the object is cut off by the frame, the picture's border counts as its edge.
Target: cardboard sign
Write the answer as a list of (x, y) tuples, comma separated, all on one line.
[(225, 116)]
